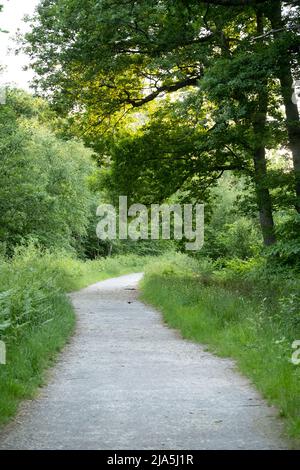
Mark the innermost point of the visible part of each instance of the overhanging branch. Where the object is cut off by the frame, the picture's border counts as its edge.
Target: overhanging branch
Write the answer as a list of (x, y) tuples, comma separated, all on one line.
[(135, 103)]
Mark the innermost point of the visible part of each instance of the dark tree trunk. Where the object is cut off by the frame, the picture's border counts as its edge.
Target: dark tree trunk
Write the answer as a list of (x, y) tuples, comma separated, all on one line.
[(291, 109), (263, 196), (293, 127)]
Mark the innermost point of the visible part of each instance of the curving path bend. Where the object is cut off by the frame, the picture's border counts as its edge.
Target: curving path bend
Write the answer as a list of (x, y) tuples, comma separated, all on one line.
[(127, 381)]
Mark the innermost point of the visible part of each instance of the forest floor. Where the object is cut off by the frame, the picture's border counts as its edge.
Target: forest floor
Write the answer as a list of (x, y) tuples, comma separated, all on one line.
[(127, 381)]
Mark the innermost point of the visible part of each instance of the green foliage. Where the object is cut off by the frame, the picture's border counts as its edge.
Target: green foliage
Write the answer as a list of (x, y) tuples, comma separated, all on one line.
[(27, 358), (229, 69), (287, 250), (44, 187), (228, 232)]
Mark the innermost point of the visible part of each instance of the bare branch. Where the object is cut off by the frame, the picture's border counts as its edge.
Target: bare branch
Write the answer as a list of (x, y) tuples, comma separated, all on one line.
[(272, 31)]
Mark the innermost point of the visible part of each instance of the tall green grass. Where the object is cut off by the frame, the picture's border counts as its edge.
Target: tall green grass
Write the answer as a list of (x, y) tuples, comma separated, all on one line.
[(36, 317), (249, 321)]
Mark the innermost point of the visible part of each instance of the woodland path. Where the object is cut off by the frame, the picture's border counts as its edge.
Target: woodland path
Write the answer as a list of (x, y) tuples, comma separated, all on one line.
[(127, 381)]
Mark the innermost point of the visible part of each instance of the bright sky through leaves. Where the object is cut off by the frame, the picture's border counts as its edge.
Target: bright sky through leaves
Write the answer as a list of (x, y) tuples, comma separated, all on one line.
[(11, 19)]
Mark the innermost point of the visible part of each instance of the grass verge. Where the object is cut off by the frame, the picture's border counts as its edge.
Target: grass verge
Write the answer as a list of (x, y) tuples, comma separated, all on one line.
[(235, 322), (30, 356)]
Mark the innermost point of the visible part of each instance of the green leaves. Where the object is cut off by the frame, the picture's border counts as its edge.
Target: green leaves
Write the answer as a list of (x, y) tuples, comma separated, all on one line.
[(44, 189), (100, 61)]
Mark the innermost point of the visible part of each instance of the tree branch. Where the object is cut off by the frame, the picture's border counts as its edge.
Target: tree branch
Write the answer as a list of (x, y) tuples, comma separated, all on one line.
[(135, 103), (127, 48), (272, 31)]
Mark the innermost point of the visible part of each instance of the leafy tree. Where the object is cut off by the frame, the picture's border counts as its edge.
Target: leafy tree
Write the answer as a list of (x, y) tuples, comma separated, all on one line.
[(286, 50), (44, 189), (106, 59)]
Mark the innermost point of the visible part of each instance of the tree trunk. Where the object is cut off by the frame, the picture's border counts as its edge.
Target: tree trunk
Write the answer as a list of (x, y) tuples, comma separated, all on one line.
[(291, 108), (263, 196)]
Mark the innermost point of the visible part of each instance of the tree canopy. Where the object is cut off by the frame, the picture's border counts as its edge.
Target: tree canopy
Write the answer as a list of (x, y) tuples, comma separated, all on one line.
[(227, 66)]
